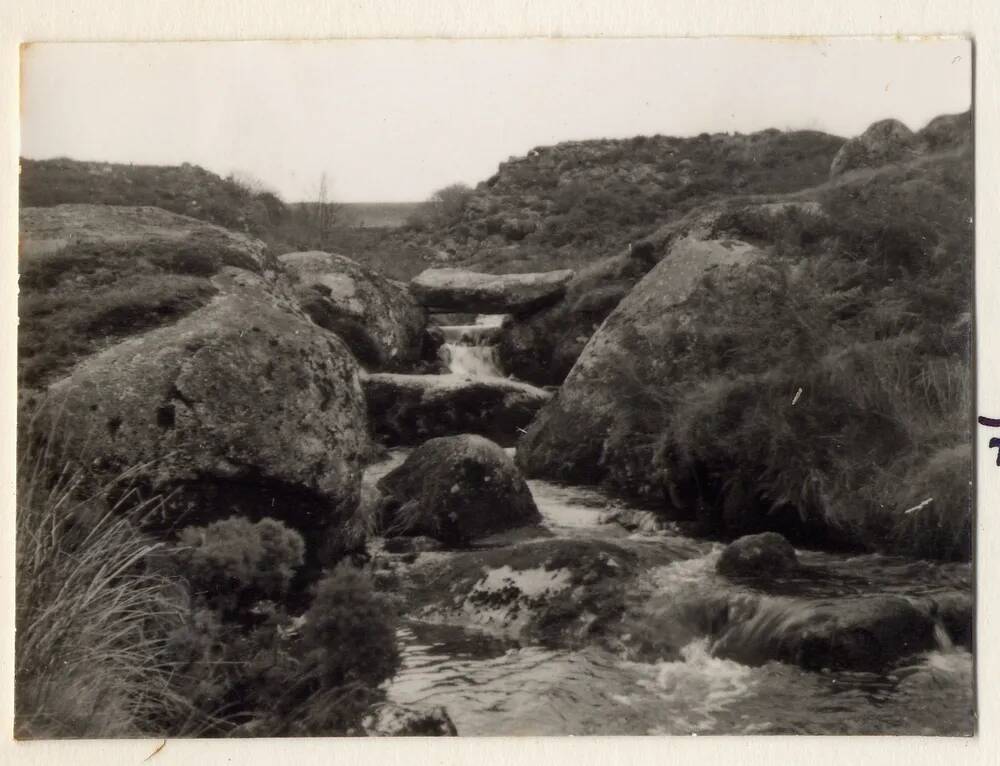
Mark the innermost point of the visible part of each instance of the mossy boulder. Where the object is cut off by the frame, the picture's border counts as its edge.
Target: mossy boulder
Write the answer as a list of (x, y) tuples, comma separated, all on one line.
[(240, 408), (377, 318), (456, 489), (567, 438)]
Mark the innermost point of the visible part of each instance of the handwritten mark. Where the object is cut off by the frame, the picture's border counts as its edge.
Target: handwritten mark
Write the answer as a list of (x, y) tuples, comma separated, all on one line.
[(159, 747), (994, 442)]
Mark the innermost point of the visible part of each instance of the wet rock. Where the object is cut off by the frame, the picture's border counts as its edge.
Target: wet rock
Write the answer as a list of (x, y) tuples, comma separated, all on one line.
[(759, 555), (239, 408), (558, 592), (567, 440), (377, 318), (883, 142), (408, 409), (864, 633), (469, 291), (391, 720), (456, 489)]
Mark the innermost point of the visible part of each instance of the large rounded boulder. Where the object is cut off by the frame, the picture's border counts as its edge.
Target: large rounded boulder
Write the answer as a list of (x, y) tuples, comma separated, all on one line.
[(240, 408), (377, 318), (456, 489), (627, 356)]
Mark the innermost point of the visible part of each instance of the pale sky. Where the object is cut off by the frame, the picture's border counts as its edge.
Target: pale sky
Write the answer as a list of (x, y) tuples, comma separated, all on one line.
[(395, 120)]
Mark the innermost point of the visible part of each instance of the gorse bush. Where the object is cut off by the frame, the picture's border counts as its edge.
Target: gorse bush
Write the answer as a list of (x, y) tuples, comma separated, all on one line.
[(317, 675), (232, 564), (347, 648)]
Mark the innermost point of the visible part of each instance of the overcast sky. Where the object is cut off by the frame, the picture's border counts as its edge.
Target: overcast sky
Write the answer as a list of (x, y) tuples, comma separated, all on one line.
[(395, 120)]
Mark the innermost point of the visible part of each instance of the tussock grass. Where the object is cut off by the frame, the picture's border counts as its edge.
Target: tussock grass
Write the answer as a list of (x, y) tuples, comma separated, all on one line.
[(94, 620)]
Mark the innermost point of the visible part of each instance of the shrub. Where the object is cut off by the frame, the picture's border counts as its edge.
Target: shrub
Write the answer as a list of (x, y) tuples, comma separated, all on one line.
[(347, 648), (444, 208), (234, 563)]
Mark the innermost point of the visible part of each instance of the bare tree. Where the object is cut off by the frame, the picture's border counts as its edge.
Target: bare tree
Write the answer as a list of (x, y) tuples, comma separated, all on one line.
[(325, 214)]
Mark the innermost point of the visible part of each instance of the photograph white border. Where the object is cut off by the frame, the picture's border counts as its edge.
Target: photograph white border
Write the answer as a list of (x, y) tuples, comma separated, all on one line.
[(120, 20)]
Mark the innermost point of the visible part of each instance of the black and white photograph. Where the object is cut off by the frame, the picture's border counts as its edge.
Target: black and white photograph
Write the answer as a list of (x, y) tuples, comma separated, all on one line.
[(496, 387)]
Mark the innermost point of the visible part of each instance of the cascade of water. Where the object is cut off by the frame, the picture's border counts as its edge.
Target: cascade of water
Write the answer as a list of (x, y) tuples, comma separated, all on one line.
[(468, 349)]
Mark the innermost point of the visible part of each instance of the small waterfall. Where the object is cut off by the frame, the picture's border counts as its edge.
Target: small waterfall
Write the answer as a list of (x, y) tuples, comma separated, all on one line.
[(472, 361), (943, 640), (469, 351)]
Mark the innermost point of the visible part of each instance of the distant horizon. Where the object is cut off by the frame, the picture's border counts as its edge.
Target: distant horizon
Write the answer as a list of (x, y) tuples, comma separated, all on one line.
[(267, 187), (391, 121)]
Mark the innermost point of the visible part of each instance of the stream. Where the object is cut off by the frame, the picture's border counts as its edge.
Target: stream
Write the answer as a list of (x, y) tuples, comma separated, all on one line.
[(492, 685)]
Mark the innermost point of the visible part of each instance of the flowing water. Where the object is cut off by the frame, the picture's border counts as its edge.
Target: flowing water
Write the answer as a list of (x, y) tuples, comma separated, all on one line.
[(468, 349), (493, 686)]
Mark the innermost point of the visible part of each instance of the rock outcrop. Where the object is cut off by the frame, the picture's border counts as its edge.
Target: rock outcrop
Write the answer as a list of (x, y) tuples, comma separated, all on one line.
[(763, 555), (408, 409), (241, 408), (883, 142), (567, 438), (455, 489), (470, 291), (377, 318)]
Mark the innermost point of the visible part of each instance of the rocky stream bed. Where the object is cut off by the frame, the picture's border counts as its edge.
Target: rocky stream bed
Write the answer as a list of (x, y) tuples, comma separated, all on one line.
[(602, 619)]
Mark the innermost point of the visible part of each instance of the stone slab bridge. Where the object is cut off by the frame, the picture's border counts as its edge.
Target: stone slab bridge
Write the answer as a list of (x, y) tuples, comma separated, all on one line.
[(470, 292)]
